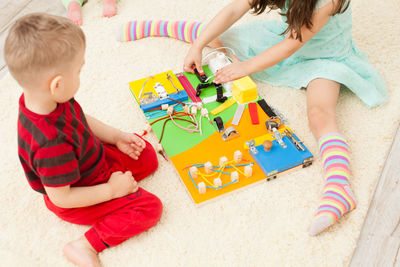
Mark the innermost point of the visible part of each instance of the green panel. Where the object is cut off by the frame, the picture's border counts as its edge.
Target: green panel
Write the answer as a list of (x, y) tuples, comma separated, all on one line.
[(176, 140)]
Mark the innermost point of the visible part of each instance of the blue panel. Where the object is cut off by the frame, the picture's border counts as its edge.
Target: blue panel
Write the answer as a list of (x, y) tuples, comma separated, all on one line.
[(279, 158), (181, 96)]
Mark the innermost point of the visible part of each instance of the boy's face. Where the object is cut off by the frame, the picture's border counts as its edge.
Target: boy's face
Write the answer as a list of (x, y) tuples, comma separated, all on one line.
[(71, 78)]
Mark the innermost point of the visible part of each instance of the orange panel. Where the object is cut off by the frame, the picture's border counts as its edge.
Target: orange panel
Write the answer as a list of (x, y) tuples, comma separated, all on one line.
[(213, 148)]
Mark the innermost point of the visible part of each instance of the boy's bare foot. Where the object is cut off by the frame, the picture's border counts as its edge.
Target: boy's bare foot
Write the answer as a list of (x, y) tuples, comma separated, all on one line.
[(109, 8), (74, 13), (81, 253)]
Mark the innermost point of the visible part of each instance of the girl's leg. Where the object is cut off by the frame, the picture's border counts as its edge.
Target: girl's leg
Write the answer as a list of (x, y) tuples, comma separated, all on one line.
[(139, 29), (74, 10), (337, 198), (109, 8)]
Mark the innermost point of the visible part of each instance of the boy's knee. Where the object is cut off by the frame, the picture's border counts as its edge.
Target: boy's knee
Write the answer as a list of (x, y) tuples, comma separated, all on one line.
[(151, 158), (155, 209)]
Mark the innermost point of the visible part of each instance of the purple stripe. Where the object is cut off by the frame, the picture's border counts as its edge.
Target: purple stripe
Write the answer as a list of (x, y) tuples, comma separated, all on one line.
[(341, 177), (195, 31), (133, 27), (336, 157), (166, 28), (340, 197), (183, 32)]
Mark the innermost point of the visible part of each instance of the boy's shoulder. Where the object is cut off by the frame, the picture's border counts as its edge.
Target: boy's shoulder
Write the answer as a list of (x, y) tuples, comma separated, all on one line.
[(37, 131)]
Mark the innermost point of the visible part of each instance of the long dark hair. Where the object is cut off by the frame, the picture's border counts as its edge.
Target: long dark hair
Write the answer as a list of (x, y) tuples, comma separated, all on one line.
[(298, 14)]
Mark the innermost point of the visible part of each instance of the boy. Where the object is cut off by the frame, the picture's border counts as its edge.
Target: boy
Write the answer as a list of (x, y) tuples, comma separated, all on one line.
[(83, 180)]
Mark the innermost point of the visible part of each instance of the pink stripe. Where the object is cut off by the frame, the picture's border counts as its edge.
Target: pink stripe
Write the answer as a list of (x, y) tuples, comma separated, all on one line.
[(143, 28), (175, 30), (334, 149), (339, 148), (128, 31), (337, 166), (157, 29), (328, 211)]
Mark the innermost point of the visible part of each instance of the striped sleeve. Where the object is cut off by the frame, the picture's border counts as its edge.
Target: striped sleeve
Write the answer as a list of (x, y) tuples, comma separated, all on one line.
[(56, 164)]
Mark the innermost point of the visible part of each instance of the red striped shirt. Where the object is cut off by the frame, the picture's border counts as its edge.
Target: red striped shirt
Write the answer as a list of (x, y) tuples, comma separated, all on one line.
[(58, 149)]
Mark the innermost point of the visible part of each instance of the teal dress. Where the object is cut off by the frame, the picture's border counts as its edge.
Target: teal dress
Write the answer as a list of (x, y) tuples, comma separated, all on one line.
[(330, 54)]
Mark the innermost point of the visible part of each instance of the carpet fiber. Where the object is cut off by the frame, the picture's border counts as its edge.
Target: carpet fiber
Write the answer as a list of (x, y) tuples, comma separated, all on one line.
[(263, 225)]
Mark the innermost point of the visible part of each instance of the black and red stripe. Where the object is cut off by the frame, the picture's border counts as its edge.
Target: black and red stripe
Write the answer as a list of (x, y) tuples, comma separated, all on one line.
[(58, 149)]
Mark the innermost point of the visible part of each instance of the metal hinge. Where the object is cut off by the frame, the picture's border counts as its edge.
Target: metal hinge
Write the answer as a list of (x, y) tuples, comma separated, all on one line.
[(307, 162), (272, 175)]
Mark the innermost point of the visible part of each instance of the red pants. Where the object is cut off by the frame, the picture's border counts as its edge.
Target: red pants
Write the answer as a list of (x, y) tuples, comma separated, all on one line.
[(116, 220)]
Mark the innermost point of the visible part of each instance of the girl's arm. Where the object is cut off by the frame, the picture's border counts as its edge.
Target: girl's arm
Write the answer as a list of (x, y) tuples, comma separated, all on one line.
[(220, 23), (277, 52)]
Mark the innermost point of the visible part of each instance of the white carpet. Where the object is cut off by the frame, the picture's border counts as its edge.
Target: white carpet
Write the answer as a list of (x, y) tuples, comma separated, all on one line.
[(264, 225)]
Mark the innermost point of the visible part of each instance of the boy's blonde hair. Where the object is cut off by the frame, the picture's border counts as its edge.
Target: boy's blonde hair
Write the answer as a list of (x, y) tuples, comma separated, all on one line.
[(39, 42)]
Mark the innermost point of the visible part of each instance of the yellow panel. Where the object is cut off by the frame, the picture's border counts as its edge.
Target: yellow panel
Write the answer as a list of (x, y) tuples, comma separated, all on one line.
[(136, 86)]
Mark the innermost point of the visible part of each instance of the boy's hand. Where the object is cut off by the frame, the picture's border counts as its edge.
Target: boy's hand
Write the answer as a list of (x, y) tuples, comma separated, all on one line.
[(122, 184), (130, 144), (231, 72)]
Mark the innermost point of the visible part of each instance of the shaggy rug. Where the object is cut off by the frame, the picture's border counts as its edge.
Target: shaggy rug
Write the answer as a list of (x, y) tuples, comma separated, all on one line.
[(263, 225)]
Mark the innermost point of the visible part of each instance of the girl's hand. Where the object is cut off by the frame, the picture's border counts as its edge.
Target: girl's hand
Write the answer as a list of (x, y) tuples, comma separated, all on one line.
[(231, 72), (193, 60), (130, 144)]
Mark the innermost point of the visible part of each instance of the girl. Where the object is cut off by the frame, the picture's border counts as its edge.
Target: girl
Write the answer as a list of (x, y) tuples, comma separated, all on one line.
[(75, 13), (312, 48)]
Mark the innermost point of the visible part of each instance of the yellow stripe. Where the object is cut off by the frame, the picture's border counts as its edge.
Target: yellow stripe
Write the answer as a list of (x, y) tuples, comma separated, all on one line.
[(200, 29), (125, 38), (138, 26), (186, 32), (169, 28), (153, 27), (345, 174)]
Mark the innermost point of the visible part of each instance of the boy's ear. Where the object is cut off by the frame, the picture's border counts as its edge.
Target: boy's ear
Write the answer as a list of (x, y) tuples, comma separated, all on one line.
[(56, 84)]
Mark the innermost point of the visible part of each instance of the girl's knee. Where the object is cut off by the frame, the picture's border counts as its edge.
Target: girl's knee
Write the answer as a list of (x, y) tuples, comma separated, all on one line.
[(319, 117)]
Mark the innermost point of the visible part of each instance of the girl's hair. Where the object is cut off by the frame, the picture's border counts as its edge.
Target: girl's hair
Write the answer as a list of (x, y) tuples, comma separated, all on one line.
[(298, 14)]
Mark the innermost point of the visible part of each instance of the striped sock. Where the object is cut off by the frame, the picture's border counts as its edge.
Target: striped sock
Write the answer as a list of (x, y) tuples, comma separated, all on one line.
[(337, 198), (181, 30)]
